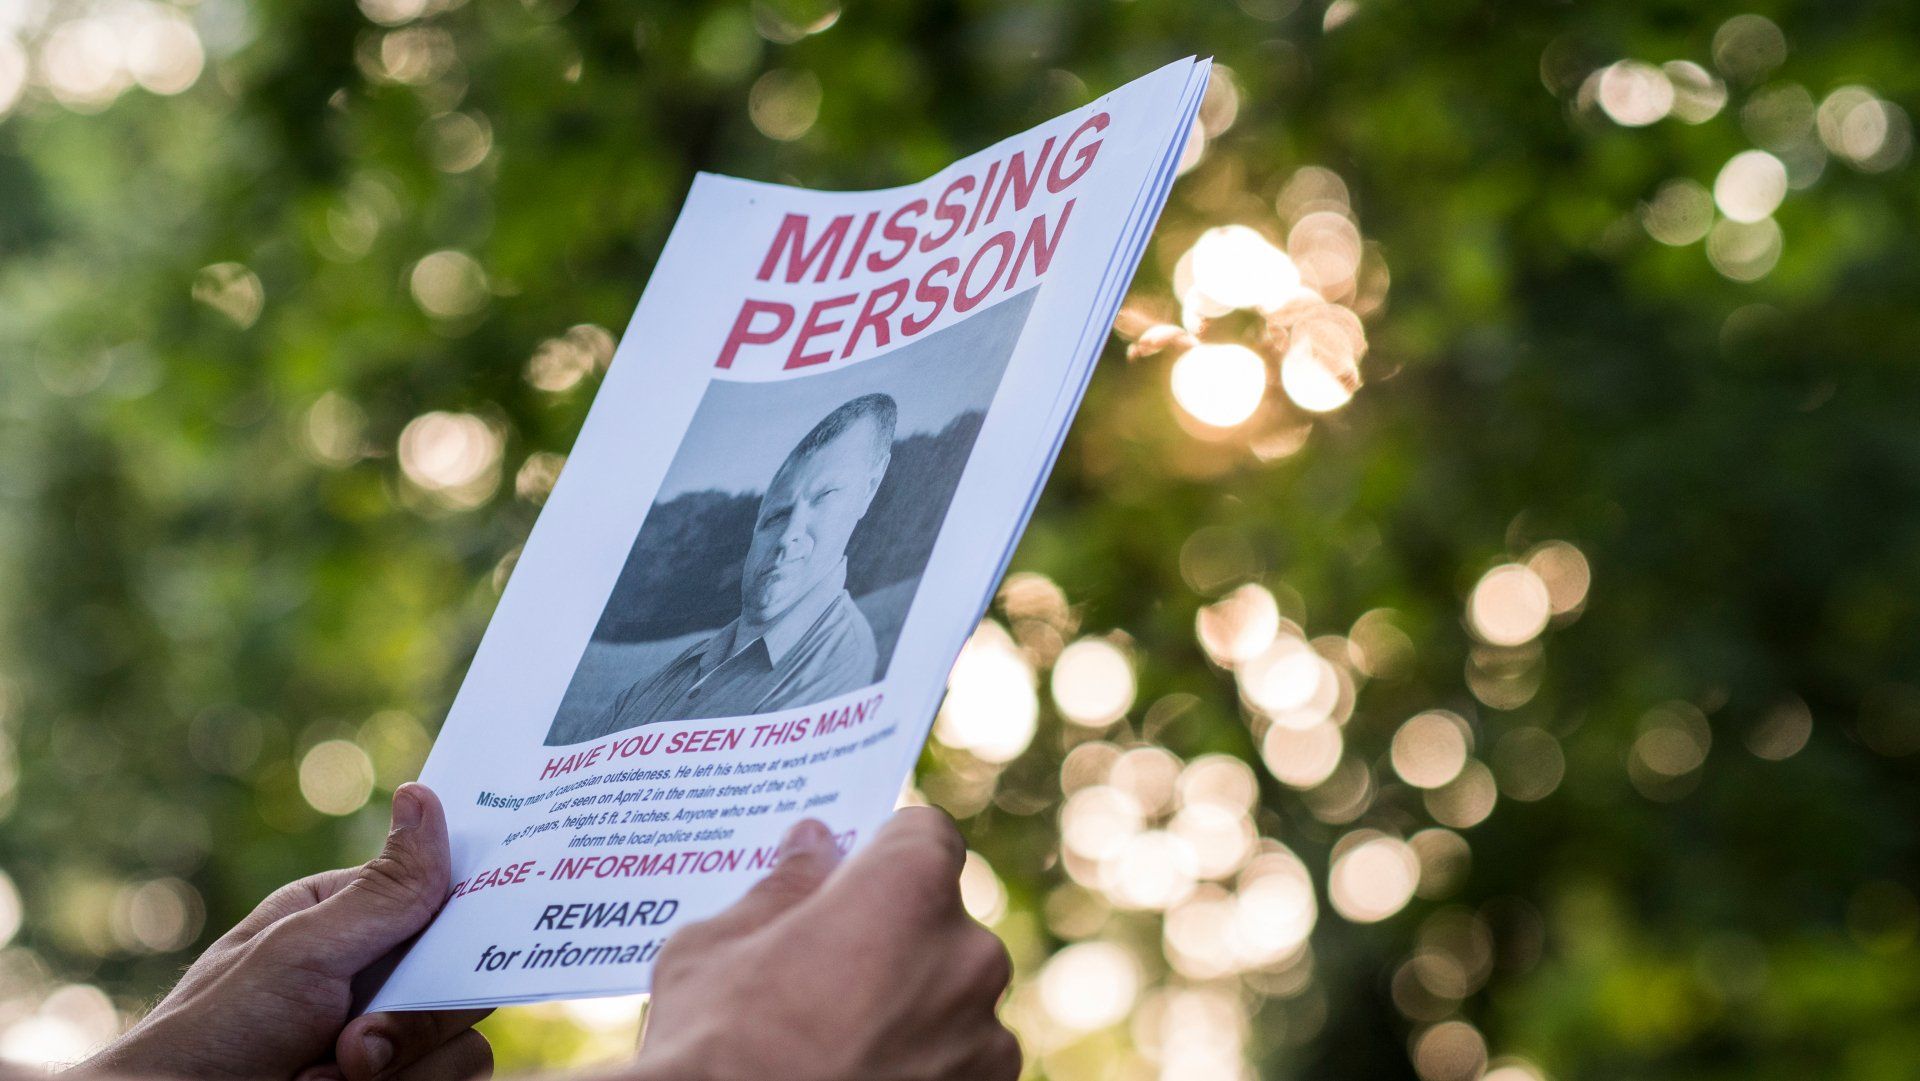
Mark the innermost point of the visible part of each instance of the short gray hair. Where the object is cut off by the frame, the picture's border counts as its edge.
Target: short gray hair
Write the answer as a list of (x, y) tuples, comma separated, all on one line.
[(878, 410)]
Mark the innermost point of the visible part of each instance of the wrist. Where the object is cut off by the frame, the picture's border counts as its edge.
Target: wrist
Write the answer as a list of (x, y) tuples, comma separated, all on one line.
[(152, 1049), (125, 1054), (128, 1056)]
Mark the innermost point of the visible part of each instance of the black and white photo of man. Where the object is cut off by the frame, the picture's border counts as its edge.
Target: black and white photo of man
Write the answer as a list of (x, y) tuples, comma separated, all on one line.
[(799, 637), (783, 548)]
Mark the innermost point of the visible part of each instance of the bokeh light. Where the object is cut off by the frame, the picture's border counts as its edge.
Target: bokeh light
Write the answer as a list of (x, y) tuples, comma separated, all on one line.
[(1326, 245), (1310, 291), (1868, 132), (1194, 1032), (1154, 870), (1782, 732), (1679, 213), (1233, 266), (163, 52), (1218, 780), (1744, 251), (991, 708), (1450, 1051), (1274, 909), (453, 456), (1510, 605), (1096, 822), (1697, 95), (232, 290), (410, 56), (84, 63), (981, 891), (785, 103), (159, 916), (1198, 935), (336, 428), (559, 364), (1673, 741), (1290, 682), (1150, 774), (336, 777), (535, 478), (1467, 800), (1090, 985), (1239, 626), (1750, 186), (1220, 839), (11, 911), (1445, 857), (1431, 748), (1746, 48), (1093, 682), (458, 142), (66, 1026), (1378, 647), (1634, 93), (1564, 570), (1086, 765), (1219, 384), (1528, 764), (14, 70), (1309, 373), (1302, 757), (448, 284), (1509, 1069), (1220, 104), (1779, 117), (1373, 876), (1346, 794)]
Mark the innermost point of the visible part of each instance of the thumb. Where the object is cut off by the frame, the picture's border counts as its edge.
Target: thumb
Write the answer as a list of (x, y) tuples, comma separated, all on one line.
[(807, 856), (390, 898)]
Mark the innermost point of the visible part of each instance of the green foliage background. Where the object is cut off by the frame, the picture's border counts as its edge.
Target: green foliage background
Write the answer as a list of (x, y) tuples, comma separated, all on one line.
[(191, 596)]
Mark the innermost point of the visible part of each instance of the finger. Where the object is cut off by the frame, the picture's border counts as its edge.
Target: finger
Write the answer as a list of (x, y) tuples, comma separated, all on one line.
[(807, 857), (913, 861), (1002, 1059), (986, 968), (998, 1059), (296, 896), (385, 901), (378, 1045), (328, 1072), (467, 1055), (969, 967), (924, 831)]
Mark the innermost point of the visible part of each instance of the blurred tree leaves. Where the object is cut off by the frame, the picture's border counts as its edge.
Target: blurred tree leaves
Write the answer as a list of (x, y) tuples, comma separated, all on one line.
[(210, 560)]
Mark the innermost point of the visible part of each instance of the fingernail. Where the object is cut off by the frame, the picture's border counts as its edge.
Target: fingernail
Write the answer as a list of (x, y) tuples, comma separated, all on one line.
[(379, 1049), (806, 833), (406, 811)]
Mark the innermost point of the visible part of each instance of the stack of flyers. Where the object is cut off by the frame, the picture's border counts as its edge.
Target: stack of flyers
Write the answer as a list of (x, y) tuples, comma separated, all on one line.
[(801, 480)]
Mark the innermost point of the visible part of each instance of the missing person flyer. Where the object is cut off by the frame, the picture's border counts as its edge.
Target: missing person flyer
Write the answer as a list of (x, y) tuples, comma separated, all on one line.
[(798, 486)]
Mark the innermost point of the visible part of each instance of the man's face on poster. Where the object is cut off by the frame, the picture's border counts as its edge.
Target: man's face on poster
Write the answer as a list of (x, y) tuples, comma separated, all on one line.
[(806, 519)]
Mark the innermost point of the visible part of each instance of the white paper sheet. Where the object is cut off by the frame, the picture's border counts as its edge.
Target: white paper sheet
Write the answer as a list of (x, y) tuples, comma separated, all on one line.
[(801, 479)]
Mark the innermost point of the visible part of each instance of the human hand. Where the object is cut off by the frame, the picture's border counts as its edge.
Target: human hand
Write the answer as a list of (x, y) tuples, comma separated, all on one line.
[(871, 971), (271, 998)]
